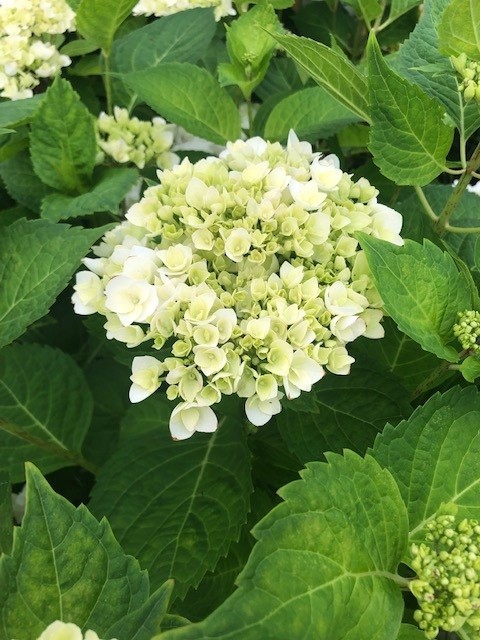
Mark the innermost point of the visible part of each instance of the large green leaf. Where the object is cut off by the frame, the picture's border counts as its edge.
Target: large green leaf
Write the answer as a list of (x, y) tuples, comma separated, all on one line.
[(65, 565), (189, 96), (422, 291), (105, 195), (62, 140), (181, 37), (399, 7), (14, 113), (420, 61), (367, 9), (99, 21), (408, 140), (308, 112), (459, 29), (176, 506), (21, 181), (42, 256), (351, 411), (434, 457), (45, 408), (400, 355), (325, 563), (331, 71)]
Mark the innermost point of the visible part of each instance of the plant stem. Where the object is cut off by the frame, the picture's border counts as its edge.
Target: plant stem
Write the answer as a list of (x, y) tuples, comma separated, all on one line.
[(107, 81), (426, 205), (51, 447), (450, 229), (444, 217)]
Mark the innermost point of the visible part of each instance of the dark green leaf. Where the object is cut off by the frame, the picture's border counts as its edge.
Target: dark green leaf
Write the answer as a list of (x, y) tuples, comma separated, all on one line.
[(22, 183)]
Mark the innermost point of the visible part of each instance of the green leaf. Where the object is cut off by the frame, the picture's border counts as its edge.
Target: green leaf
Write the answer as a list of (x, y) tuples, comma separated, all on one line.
[(351, 410), (331, 71), (420, 55), (459, 29), (6, 513), (176, 506), (422, 291), (181, 37), (399, 7), (62, 140), (409, 632), (14, 113), (408, 140), (308, 112), (325, 563), (189, 96), (367, 9), (21, 181), (434, 458), (105, 195), (470, 368), (42, 258), (83, 573), (78, 47), (45, 408), (399, 355), (99, 21)]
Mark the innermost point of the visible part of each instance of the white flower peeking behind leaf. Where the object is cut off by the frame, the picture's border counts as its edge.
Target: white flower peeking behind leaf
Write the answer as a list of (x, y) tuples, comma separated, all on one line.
[(66, 631), (245, 270)]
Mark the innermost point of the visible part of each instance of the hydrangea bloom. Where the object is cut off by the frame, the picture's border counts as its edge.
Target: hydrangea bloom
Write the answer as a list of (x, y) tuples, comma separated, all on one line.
[(26, 55), (66, 631), (127, 139), (247, 267), (167, 7)]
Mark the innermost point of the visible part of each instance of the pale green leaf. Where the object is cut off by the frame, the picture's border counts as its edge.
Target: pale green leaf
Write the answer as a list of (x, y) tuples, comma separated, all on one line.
[(181, 37), (351, 410), (65, 565), (45, 408), (189, 96), (331, 71), (325, 562), (42, 257), (399, 7), (106, 194), (308, 112), (99, 21), (470, 368), (408, 140), (422, 291), (459, 29), (176, 506), (420, 61), (78, 47), (63, 146), (434, 457)]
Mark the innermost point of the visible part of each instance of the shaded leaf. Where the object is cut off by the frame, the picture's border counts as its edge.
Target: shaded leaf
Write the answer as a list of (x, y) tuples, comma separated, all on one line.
[(99, 21)]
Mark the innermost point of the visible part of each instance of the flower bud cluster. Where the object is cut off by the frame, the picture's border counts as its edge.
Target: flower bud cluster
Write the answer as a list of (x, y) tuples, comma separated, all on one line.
[(66, 631), (448, 583), (167, 7), (467, 330), (247, 267), (126, 139), (26, 52), (469, 71)]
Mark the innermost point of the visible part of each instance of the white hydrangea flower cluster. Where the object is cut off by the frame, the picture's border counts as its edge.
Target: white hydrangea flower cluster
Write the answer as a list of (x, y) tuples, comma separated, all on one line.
[(26, 55), (248, 265), (66, 631), (167, 7), (127, 139)]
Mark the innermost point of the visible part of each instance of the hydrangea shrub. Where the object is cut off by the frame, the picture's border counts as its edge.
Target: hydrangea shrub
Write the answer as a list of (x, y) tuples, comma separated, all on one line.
[(259, 417)]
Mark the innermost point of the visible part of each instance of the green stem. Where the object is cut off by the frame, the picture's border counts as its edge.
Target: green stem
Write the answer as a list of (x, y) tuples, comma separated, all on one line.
[(436, 374), (50, 447), (450, 229), (426, 205), (444, 217), (250, 117), (107, 81)]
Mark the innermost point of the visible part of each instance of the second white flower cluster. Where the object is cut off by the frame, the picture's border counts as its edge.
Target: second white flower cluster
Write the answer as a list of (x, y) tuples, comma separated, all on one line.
[(245, 269)]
